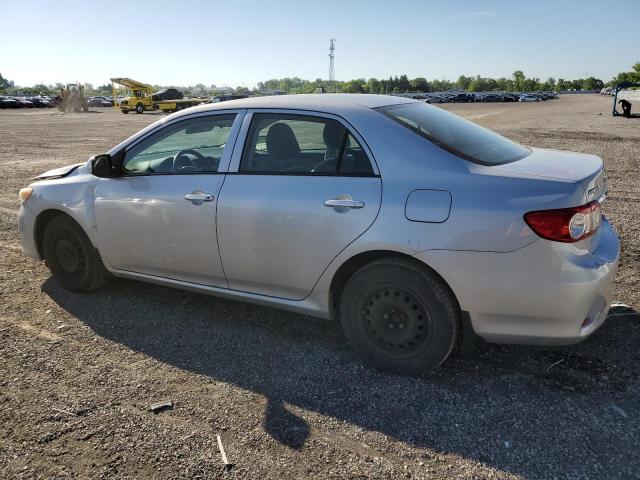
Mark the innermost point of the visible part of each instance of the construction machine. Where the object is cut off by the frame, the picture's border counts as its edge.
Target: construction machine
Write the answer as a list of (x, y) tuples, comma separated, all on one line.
[(72, 98), (143, 99)]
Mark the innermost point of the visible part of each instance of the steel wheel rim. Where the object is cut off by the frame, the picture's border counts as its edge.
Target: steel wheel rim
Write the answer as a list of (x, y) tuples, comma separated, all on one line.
[(70, 256), (394, 322)]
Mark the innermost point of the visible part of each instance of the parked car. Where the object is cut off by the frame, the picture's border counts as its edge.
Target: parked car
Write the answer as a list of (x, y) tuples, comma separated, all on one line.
[(49, 99), (167, 94), (98, 102), (463, 98), (529, 98), (105, 98), (6, 102), (475, 234), (40, 102), (23, 102), (436, 99), (490, 97)]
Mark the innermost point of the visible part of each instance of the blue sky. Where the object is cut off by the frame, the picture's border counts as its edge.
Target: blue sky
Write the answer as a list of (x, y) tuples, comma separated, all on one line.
[(243, 42)]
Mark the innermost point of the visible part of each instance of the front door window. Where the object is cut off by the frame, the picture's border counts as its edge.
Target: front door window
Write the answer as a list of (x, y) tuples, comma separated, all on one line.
[(192, 146)]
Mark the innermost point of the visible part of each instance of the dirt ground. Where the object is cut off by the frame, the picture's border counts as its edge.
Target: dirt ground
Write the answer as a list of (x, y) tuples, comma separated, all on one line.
[(286, 394)]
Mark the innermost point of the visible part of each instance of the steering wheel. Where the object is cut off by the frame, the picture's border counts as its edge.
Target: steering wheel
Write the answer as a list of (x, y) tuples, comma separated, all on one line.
[(179, 163), (326, 166)]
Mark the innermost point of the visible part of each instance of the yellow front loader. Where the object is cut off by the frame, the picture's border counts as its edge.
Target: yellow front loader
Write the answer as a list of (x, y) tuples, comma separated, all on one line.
[(72, 98)]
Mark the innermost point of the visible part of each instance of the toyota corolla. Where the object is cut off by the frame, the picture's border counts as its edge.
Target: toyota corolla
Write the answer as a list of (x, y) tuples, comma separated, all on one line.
[(414, 228)]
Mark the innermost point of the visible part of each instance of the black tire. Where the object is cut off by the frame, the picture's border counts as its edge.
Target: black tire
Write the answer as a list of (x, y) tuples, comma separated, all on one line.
[(125, 111), (71, 257), (399, 316), (139, 108)]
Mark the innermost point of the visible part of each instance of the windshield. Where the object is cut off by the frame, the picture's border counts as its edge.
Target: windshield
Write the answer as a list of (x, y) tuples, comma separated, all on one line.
[(455, 134)]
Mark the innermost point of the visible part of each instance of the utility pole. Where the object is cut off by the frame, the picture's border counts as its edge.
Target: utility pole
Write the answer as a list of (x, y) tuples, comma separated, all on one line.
[(332, 72)]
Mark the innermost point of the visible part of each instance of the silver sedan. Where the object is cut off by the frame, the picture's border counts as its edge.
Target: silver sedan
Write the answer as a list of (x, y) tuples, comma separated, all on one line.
[(419, 231)]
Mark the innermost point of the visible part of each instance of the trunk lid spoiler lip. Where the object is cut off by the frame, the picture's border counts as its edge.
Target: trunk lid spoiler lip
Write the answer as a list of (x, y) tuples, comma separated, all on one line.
[(582, 168)]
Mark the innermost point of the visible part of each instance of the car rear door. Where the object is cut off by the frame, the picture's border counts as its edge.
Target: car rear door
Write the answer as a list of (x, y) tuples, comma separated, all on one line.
[(159, 218), (301, 190)]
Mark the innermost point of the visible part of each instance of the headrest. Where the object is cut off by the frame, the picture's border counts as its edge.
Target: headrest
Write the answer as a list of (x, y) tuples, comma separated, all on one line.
[(281, 141), (333, 135)]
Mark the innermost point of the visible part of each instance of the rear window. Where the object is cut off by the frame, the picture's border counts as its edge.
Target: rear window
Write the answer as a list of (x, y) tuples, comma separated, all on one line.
[(455, 134)]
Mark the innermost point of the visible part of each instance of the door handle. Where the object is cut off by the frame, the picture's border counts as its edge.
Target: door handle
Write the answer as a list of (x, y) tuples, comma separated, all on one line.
[(198, 197), (344, 203)]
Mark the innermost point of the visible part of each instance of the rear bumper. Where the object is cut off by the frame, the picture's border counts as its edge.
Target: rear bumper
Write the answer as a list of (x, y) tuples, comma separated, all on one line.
[(547, 293)]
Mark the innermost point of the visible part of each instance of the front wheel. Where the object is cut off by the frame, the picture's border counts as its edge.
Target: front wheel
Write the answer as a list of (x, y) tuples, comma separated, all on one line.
[(71, 257), (400, 316)]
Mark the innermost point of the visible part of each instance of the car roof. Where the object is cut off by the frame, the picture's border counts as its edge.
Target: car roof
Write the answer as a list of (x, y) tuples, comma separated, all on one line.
[(337, 103)]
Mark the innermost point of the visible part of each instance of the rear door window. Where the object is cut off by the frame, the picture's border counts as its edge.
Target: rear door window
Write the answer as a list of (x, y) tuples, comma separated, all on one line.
[(302, 145)]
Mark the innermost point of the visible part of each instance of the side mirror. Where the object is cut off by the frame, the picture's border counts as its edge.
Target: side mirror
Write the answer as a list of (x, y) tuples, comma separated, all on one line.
[(104, 166)]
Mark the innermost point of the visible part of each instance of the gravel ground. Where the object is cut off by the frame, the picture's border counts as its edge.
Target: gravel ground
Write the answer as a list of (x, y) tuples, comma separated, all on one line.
[(286, 394)]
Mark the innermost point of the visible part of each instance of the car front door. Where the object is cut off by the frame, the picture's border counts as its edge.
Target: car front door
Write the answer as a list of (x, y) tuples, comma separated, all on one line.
[(303, 188), (159, 216)]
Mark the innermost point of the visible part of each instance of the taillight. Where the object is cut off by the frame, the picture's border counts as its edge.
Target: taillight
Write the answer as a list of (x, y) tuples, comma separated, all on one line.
[(566, 224)]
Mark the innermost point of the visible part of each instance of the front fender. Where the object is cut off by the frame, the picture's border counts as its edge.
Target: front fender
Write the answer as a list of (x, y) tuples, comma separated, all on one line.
[(73, 195)]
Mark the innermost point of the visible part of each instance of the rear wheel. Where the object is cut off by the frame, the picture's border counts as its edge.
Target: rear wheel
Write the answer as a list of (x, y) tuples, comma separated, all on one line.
[(71, 257), (399, 316), (139, 108)]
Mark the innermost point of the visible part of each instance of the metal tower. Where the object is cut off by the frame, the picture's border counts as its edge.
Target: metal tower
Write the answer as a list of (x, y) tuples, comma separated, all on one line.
[(332, 72)]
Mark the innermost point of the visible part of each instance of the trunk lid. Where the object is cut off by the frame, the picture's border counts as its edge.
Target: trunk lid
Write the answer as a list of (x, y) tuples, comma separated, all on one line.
[(559, 165), (568, 166)]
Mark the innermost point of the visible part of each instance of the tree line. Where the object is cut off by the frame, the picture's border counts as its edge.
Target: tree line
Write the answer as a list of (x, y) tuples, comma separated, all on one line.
[(402, 84), (397, 84)]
